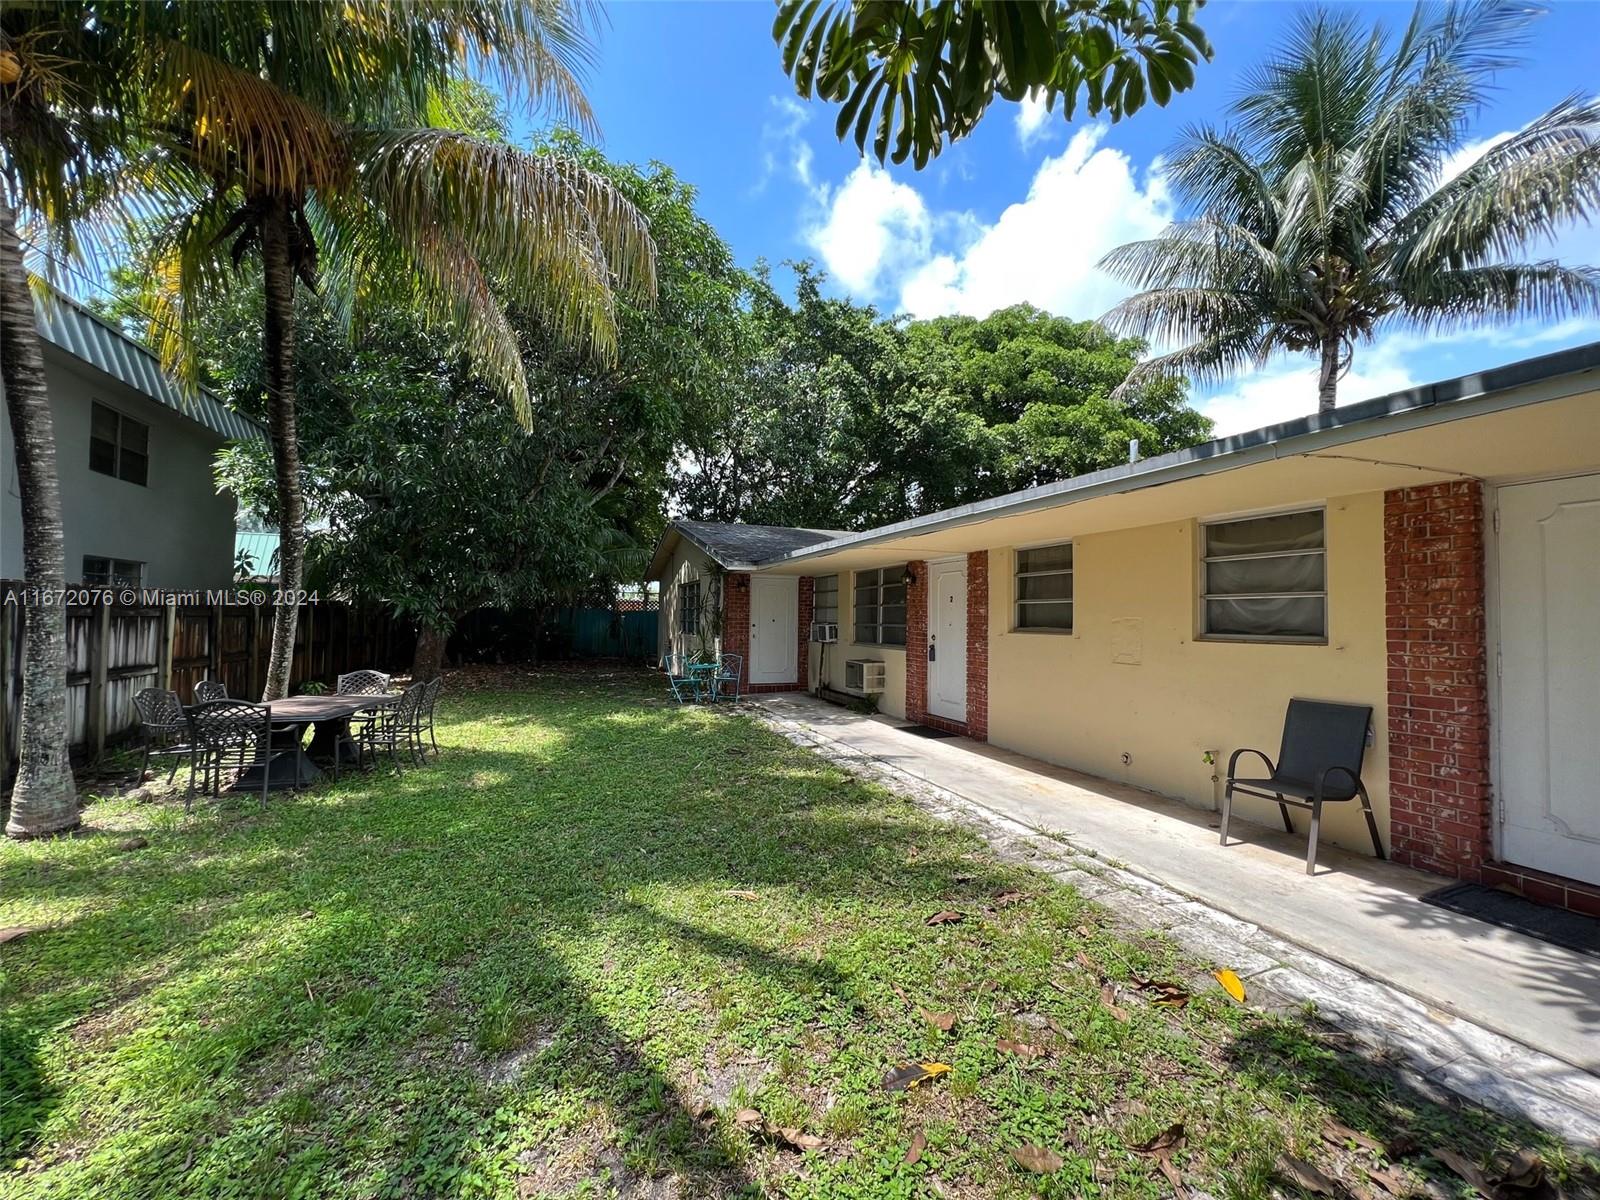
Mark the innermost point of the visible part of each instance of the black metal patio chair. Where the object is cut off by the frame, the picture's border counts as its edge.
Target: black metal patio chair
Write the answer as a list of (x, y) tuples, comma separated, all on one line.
[(1319, 762), (208, 690), (163, 728), (394, 728), (358, 683), (423, 728), (229, 735)]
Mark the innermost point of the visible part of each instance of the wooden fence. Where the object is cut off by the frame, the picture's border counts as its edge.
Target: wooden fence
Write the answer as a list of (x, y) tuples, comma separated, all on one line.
[(116, 647)]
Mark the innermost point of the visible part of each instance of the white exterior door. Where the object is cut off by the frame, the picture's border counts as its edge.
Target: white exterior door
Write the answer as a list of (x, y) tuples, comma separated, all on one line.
[(947, 639), (1549, 699), (774, 632)]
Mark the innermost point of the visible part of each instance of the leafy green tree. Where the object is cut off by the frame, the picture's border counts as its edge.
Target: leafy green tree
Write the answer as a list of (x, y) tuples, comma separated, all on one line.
[(323, 141), (1325, 213), (937, 65), (841, 418)]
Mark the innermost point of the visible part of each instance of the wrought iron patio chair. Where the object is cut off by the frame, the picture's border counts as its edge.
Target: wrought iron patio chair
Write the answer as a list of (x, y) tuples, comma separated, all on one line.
[(359, 683), (1319, 762), (163, 729), (685, 687), (424, 722), (730, 671), (229, 735), (392, 729), (208, 690)]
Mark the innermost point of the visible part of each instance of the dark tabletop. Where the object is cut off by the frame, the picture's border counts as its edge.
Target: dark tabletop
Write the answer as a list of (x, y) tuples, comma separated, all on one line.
[(327, 708)]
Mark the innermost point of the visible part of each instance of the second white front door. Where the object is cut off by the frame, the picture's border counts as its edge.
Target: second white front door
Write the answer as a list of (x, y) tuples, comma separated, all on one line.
[(947, 639), (774, 636), (1549, 710)]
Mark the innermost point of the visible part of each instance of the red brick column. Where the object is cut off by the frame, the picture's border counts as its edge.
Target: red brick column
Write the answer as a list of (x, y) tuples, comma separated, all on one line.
[(802, 660), (1439, 796), (736, 616), (978, 645), (917, 642)]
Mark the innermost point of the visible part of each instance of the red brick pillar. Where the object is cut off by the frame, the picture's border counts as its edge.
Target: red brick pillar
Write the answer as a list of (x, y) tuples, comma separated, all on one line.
[(736, 616), (1439, 801), (978, 645), (917, 642), (802, 661)]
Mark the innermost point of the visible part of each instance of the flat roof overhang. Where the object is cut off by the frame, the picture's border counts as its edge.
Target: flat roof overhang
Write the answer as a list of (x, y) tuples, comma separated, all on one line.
[(1545, 428)]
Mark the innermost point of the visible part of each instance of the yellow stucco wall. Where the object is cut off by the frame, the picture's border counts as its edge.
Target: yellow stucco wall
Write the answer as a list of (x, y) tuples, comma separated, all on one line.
[(688, 563), (1064, 698), (893, 700)]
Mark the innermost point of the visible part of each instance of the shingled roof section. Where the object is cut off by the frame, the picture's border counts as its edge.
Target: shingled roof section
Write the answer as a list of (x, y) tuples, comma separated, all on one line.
[(736, 545)]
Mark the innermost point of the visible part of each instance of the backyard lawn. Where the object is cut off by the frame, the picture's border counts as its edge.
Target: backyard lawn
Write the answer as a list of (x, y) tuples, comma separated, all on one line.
[(611, 947)]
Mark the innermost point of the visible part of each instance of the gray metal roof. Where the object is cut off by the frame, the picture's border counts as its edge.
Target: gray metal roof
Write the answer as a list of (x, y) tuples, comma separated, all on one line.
[(1449, 399), (65, 323)]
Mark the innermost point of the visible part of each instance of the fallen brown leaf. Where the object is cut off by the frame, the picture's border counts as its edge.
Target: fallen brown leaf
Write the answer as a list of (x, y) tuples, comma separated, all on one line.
[(1163, 992), (919, 1143), (1037, 1159), (1524, 1173), (1087, 963), (1021, 1049), (1465, 1168), (747, 1117), (1163, 1144), (1108, 997), (1402, 1145), (942, 1021), (133, 843), (794, 1139), (1173, 1177), (741, 894), (1390, 1179), (12, 932), (946, 917), (1304, 1175), (1009, 896), (1337, 1133)]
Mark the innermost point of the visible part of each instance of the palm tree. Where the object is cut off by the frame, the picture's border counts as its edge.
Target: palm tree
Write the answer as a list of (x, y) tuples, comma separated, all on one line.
[(63, 86), (316, 139), (1328, 212)]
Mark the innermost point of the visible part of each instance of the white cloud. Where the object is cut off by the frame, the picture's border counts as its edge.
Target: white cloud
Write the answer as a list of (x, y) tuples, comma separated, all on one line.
[(1031, 118), (1470, 153), (1043, 250), (1287, 388), (870, 227), (782, 146)]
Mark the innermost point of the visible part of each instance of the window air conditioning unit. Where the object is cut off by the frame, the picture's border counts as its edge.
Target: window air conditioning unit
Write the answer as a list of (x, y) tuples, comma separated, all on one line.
[(863, 675), (825, 632)]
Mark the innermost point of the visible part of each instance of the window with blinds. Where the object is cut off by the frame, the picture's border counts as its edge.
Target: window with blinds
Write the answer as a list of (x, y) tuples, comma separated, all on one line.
[(1044, 588), (1266, 578)]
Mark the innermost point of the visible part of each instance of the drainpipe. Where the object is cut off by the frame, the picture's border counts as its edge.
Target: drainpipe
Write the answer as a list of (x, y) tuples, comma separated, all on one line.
[(1210, 757)]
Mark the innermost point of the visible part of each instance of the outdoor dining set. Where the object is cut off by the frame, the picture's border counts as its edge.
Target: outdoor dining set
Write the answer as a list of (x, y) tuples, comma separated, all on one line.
[(704, 679), (363, 720)]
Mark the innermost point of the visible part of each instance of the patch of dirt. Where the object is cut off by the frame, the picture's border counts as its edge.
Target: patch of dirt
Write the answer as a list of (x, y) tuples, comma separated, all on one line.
[(507, 1068), (587, 1162), (716, 1083)]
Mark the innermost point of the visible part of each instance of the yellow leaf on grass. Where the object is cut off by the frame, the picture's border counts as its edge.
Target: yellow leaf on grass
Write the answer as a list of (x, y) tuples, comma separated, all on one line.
[(908, 1075), (1231, 983)]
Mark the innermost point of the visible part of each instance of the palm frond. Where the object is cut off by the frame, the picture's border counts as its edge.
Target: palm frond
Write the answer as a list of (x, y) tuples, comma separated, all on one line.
[(1213, 172), (1542, 291), (1211, 359)]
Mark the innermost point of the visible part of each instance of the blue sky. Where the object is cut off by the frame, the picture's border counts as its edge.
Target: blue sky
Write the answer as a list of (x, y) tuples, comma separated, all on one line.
[(1023, 208)]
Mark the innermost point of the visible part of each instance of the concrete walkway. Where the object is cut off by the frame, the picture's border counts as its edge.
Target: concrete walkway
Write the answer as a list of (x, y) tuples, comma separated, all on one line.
[(1507, 1020)]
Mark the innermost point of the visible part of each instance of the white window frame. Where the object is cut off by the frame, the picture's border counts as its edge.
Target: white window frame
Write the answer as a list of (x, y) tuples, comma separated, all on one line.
[(859, 634), (1016, 590), (118, 448), (1205, 634)]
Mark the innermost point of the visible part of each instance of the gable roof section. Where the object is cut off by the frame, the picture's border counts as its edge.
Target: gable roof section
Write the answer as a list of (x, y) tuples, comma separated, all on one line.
[(68, 325), (734, 545)]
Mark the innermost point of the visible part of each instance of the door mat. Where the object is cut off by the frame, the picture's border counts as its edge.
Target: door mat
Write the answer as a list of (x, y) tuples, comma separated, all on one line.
[(927, 731), (1571, 930)]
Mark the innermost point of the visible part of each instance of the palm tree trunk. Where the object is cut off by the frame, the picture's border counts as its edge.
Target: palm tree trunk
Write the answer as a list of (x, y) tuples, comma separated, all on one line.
[(1328, 380), (278, 274), (45, 798)]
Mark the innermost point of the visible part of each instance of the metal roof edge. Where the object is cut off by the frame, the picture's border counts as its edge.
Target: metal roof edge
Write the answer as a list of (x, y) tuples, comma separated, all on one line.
[(73, 329), (1410, 408)]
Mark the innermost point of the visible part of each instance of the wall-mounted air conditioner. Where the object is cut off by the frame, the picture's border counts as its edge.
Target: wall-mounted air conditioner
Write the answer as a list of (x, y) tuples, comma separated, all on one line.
[(863, 675), (825, 632)]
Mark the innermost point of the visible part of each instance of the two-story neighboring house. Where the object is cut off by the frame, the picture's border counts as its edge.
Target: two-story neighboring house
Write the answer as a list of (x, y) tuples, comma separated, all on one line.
[(139, 501)]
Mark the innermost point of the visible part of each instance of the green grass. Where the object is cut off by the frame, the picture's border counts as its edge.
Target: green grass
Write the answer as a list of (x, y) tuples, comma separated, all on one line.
[(519, 972)]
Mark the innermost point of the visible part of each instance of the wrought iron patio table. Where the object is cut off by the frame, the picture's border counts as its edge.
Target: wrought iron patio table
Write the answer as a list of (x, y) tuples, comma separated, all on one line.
[(329, 716)]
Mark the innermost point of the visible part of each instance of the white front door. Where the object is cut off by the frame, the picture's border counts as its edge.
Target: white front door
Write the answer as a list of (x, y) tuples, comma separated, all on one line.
[(774, 633), (1549, 701), (947, 639)]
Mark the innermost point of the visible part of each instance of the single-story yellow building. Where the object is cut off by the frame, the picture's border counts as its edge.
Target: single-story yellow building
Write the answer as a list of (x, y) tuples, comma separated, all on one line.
[(1434, 554)]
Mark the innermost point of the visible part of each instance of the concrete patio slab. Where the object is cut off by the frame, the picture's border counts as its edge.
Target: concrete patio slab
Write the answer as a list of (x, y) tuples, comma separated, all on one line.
[(1505, 1019)]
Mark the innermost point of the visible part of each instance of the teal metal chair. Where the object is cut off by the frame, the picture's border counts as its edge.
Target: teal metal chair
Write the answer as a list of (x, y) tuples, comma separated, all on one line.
[(685, 687), (730, 672)]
